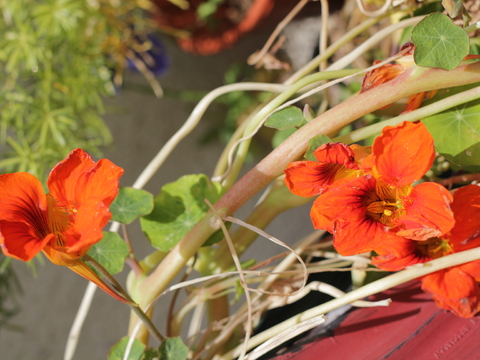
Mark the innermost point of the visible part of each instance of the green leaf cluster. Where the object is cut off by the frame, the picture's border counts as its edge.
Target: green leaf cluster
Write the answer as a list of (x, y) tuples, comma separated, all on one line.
[(169, 349), (178, 207), (56, 62)]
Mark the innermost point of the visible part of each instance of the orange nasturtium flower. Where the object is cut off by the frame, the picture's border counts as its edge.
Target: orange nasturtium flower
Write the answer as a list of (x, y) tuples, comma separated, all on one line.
[(456, 288), (379, 199), (65, 223)]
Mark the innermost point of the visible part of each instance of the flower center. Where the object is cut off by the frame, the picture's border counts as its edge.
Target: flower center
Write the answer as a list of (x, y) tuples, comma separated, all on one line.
[(434, 248), (382, 204), (59, 219)]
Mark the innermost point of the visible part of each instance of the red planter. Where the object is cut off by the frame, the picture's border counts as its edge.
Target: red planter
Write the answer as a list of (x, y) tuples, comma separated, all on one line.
[(412, 327)]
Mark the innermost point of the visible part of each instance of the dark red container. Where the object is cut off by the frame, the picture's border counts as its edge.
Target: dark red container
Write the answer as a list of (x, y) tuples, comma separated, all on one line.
[(412, 327)]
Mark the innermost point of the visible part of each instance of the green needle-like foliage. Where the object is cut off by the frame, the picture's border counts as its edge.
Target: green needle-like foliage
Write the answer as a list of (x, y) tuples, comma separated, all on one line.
[(58, 58)]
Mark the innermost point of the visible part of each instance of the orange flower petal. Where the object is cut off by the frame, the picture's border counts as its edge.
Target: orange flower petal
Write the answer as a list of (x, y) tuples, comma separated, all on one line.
[(23, 207), (22, 199), (310, 178), (345, 200), (63, 178), (101, 183), (403, 153), (351, 238), (396, 246), (454, 290), (428, 212), (319, 221), (414, 102), (381, 75), (18, 240), (336, 153), (472, 269), (90, 219), (466, 208), (393, 263)]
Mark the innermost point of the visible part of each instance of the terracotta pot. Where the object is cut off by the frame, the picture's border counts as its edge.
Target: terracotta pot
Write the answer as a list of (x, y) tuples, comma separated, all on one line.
[(206, 39)]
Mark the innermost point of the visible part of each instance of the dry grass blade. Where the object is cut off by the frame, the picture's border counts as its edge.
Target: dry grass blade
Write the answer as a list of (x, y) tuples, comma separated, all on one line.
[(285, 336)]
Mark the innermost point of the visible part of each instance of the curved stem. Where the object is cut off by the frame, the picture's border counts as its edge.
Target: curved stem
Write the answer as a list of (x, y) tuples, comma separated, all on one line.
[(135, 308), (272, 106), (423, 112), (192, 122)]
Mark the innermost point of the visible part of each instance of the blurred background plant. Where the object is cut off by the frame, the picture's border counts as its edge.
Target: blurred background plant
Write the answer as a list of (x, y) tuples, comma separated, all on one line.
[(58, 58), (9, 289)]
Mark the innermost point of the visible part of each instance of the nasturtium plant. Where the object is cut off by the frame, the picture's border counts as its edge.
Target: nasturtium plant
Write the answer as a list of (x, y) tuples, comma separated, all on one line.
[(439, 43), (286, 118), (178, 207), (110, 252), (118, 350), (131, 203)]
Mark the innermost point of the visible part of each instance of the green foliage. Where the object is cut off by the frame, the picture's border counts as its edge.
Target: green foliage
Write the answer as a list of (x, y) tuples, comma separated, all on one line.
[(457, 135), (178, 207), (150, 354), (9, 287), (286, 118), (110, 252), (281, 135), (56, 58), (170, 349), (118, 350), (173, 349), (439, 42), (131, 203), (313, 145)]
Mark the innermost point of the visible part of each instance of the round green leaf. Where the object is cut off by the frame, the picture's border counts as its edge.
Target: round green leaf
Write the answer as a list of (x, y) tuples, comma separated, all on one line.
[(110, 252), (173, 349), (439, 43), (457, 135), (178, 207), (286, 118), (131, 203), (118, 350)]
